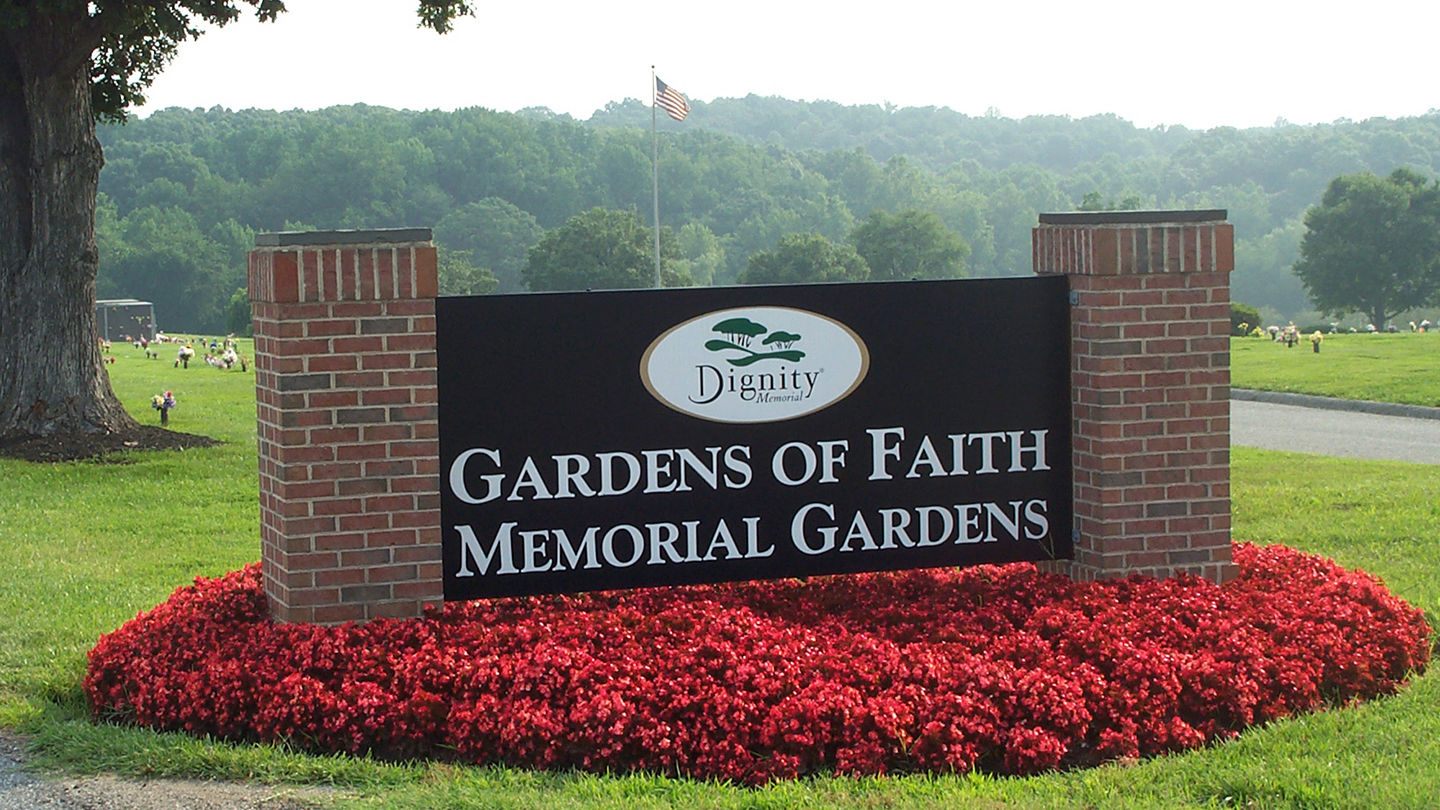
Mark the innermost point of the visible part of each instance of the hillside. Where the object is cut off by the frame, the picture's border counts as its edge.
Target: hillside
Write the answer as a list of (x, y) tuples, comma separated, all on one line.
[(185, 190)]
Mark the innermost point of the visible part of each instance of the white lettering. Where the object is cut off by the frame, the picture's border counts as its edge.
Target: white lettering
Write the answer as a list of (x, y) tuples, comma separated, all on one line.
[(881, 449), (470, 546), (492, 481), (827, 533)]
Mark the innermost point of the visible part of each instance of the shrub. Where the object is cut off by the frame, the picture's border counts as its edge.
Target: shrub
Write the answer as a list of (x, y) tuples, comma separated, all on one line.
[(1243, 314)]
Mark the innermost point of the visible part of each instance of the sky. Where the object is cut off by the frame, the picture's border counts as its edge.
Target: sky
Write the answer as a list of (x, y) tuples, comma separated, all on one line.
[(1201, 65)]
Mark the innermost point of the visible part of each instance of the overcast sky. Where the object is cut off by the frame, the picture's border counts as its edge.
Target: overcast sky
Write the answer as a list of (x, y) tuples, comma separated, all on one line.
[(1202, 64)]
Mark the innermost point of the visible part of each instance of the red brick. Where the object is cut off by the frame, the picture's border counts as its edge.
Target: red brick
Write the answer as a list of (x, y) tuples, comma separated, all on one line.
[(331, 328), (334, 399), (301, 348), (371, 362), (385, 433), (386, 396), (426, 275), (420, 518), (389, 503), (411, 379), (1126, 238), (414, 307), (300, 527), (340, 576), (425, 449), (424, 590), (340, 542), (401, 609), (359, 379), (365, 557), (330, 362), (388, 468), (390, 573), (1225, 248), (351, 452), (357, 309), (346, 289), (284, 277), (309, 275), (338, 614), (306, 490), (384, 273), (412, 342), (1174, 249), (364, 523), (314, 560), (365, 271), (357, 345), (419, 483), (404, 275), (344, 506)]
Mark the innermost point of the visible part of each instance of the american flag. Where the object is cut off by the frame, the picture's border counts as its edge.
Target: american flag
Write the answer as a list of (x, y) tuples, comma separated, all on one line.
[(671, 101)]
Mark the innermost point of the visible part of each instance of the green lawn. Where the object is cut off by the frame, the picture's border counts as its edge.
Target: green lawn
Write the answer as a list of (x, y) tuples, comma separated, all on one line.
[(90, 544), (1403, 367)]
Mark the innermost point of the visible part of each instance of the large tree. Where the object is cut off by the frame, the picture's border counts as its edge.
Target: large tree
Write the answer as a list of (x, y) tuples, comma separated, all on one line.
[(497, 234), (909, 245), (603, 249), (805, 258), (1372, 245), (63, 65)]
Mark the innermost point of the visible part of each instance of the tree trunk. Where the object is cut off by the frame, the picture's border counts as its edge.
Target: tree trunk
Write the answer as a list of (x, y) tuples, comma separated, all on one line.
[(52, 377)]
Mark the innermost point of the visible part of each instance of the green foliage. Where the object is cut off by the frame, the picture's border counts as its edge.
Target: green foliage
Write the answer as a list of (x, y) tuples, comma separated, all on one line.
[(497, 234), (704, 253), (805, 258), (238, 320), (602, 249), (760, 169), (1263, 272), (460, 276), (912, 244), (162, 255), (1243, 318), (1095, 201), (1372, 245)]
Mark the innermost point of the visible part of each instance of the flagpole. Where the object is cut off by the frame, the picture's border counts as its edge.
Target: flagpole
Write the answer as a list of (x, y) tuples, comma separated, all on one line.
[(655, 172)]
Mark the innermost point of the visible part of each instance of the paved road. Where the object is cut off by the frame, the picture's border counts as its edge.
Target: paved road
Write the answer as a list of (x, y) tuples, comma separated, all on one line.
[(1335, 428)]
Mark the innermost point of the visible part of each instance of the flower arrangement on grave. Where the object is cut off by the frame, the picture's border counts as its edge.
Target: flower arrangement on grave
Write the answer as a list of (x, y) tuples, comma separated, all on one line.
[(163, 403)]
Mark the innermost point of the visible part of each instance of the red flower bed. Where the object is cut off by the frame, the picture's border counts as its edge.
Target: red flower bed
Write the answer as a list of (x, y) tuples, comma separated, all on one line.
[(999, 668)]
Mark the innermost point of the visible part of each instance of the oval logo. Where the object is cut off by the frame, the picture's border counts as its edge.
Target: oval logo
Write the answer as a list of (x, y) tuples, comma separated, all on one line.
[(754, 364)]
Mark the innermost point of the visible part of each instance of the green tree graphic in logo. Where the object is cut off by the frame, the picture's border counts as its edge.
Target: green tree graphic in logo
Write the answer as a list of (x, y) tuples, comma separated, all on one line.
[(742, 333)]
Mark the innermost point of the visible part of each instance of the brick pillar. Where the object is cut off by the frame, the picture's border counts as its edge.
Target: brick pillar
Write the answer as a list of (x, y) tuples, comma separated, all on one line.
[(1150, 373), (346, 410)]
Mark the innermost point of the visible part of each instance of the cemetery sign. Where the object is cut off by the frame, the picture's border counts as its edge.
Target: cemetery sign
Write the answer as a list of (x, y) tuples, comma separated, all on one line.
[(623, 439)]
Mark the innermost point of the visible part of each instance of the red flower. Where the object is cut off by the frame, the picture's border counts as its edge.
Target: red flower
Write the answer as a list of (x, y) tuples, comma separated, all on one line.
[(997, 667)]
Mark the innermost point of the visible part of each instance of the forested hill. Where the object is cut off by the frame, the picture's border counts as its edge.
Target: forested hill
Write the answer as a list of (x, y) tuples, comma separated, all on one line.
[(186, 190), (933, 137)]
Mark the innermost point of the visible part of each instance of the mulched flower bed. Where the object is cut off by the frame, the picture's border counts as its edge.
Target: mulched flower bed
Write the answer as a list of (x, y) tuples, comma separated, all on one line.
[(998, 668)]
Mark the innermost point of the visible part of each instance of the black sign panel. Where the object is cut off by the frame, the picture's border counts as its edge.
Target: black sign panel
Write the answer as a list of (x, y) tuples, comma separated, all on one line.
[(626, 439)]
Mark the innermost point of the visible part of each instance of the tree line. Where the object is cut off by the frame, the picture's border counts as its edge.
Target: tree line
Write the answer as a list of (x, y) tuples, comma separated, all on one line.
[(741, 181)]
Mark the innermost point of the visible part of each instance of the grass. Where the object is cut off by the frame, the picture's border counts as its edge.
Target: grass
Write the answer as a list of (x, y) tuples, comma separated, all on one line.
[(1402, 367), (89, 544)]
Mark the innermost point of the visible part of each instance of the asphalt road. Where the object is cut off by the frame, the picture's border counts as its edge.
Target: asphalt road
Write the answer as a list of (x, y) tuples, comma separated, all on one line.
[(1335, 427)]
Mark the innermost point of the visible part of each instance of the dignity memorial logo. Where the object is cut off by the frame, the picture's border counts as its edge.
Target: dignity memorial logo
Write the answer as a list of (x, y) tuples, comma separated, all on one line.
[(755, 364)]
